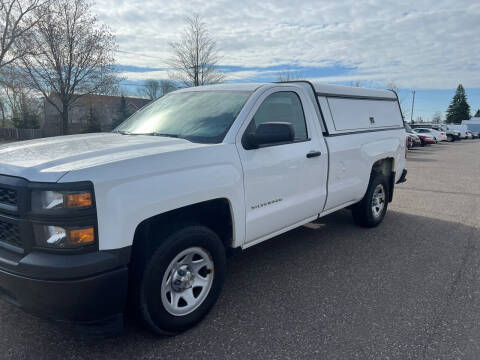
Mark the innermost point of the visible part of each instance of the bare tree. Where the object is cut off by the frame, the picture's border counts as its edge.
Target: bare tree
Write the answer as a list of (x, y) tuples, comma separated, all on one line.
[(3, 110), (437, 117), (13, 89), (17, 19), (20, 103), (153, 89), (286, 76), (167, 86), (74, 56), (150, 89), (195, 57)]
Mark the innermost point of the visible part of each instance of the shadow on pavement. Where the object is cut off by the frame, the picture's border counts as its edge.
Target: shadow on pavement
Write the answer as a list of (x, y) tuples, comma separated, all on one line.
[(329, 290)]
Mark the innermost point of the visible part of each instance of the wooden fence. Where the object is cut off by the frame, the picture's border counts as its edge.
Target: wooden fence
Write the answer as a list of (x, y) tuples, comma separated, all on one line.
[(20, 134)]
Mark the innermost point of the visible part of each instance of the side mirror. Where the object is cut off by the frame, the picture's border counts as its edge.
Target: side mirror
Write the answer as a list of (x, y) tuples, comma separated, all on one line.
[(268, 134)]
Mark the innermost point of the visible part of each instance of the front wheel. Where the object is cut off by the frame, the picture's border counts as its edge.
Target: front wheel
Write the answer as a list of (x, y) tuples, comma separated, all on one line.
[(182, 280), (372, 209)]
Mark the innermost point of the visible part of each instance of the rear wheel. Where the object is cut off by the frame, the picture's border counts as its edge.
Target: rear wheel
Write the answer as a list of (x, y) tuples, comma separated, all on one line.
[(182, 280), (372, 209)]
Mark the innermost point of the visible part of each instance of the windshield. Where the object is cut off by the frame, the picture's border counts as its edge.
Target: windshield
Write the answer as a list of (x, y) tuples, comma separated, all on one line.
[(198, 116)]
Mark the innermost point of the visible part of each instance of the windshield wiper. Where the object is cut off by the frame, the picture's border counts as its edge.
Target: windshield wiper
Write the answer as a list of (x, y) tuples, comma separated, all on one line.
[(163, 134), (147, 134)]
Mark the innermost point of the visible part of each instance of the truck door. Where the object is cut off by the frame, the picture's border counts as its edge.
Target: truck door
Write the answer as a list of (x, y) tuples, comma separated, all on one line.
[(285, 183)]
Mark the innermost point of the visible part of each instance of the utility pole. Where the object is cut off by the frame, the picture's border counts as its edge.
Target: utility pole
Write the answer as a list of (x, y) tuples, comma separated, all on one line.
[(413, 103)]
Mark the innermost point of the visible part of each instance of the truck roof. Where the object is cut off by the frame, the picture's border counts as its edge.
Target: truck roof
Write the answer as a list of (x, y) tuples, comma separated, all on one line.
[(320, 88), (339, 90)]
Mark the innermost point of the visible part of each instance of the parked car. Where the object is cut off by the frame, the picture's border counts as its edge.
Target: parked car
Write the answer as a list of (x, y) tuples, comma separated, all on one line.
[(409, 130), (452, 134), (153, 207), (475, 134), (440, 135), (413, 140), (410, 142), (460, 129), (426, 139), (437, 135)]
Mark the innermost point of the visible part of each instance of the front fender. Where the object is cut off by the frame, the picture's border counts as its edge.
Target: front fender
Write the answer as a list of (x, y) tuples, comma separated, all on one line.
[(133, 191)]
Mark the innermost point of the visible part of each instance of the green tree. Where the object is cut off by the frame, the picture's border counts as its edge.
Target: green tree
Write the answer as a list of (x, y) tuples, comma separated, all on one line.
[(93, 124), (459, 109), (122, 113), (477, 114)]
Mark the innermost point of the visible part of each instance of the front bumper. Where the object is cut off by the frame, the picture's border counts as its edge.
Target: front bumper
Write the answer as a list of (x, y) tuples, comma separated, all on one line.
[(85, 288), (83, 285)]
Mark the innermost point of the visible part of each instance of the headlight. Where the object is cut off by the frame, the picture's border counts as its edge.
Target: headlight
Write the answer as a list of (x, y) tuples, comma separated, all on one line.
[(57, 237), (55, 200)]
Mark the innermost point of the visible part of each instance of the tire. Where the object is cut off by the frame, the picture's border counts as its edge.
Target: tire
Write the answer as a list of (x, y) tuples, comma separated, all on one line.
[(166, 308), (450, 138), (365, 213)]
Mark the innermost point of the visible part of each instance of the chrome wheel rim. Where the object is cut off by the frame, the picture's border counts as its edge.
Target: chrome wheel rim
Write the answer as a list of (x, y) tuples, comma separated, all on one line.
[(378, 200), (187, 281)]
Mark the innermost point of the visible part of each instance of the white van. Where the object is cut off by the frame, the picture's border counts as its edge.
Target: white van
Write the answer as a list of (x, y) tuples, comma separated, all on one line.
[(461, 128)]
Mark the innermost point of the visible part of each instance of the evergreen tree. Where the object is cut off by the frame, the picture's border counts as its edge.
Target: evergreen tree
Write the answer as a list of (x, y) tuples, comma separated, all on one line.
[(122, 114), (93, 124), (459, 109), (477, 114)]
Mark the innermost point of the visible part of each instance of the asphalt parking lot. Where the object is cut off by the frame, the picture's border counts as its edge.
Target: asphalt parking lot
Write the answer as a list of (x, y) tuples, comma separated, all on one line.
[(406, 290)]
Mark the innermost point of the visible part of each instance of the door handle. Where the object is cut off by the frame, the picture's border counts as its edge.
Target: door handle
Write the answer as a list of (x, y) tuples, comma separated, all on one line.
[(313, 154)]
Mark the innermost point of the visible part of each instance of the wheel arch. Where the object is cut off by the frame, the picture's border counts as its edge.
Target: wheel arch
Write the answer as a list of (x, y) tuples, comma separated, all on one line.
[(216, 214), (386, 167)]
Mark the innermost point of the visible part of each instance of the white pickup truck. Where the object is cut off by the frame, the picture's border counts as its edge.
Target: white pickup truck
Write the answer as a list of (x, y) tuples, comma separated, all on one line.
[(151, 209)]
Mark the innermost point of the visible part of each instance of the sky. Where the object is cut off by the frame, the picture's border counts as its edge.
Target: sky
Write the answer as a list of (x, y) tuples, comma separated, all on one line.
[(429, 46)]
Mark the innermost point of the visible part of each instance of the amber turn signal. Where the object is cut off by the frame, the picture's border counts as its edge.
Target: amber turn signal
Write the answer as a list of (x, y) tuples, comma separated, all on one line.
[(83, 236), (78, 200)]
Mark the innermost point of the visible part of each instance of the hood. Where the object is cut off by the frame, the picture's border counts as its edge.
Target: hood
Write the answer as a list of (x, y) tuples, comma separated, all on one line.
[(49, 159)]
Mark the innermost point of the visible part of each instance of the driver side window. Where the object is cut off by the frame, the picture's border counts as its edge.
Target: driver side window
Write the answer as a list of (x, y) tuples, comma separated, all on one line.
[(285, 107)]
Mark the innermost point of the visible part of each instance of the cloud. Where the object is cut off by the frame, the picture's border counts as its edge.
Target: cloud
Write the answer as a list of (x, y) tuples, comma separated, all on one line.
[(427, 44)]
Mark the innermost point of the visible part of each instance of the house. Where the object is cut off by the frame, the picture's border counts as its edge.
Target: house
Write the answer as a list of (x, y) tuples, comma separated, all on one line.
[(105, 108)]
